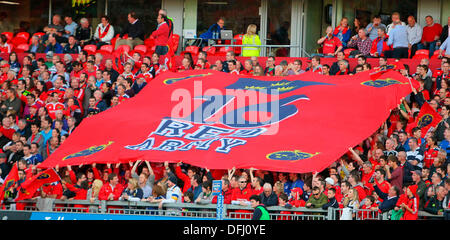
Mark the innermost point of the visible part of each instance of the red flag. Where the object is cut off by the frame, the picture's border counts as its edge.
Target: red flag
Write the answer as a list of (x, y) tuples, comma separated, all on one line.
[(217, 120), (30, 186), (10, 181), (427, 118)]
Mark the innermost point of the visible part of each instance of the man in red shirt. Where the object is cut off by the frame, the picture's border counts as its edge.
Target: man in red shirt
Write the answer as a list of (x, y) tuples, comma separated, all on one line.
[(111, 190), (331, 45), (383, 185), (431, 34), (53, 105), (241, 195), (248, 68), (161, 35)]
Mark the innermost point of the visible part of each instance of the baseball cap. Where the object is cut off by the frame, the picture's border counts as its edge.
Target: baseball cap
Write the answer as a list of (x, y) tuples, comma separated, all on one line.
[(418, 172), (329, 181), (49, 54), (173, 179), (5, 65)]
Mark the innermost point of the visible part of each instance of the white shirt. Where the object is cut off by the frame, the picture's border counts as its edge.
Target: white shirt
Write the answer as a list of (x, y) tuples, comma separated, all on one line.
[(414, 33)]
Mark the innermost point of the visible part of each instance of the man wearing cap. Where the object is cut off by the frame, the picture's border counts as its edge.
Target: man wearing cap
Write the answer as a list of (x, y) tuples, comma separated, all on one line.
[(173, 194), (421, 187)]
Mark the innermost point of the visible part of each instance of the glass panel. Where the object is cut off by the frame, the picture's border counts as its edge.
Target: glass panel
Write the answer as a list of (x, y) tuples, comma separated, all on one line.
[(364, 10), (278, 26), (147, 12), (238, 14), (28, 16)]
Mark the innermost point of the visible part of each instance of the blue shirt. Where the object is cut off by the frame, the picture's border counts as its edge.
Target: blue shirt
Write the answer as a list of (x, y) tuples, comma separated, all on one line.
[(373, 34), (71, 28), (46, 136), (446, 146), (398, 37), (446, 46), (298, 183), (287, 187)]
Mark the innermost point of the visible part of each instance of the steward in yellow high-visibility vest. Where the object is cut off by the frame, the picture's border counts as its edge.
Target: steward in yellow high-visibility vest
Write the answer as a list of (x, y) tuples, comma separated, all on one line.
[(251, 38)]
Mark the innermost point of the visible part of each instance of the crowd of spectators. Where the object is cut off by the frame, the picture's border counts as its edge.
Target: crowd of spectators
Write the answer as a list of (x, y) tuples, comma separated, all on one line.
[(43, 100)]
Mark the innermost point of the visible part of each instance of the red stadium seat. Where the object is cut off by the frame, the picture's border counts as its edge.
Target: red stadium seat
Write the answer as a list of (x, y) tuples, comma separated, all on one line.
[(238, 41), (210, 51), (174, 42), (23, 35), (106, 49), (142, 49), (436, 54), (191, 49), (91, 49), (420, 56), (222, 51), (9, 35), (16, 41), (348, 51), (22, 48), (149, 42), (422, 52), (121, 49)]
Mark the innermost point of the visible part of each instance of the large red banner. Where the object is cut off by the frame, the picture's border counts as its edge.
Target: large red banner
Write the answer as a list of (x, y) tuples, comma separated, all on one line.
[(219, 121)]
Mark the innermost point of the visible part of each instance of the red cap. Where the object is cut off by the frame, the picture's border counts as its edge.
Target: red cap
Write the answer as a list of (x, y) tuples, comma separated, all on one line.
[(5, 65)]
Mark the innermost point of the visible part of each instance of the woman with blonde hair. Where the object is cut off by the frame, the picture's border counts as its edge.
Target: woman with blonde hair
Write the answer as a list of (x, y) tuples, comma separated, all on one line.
[(251, 38), (351, 202), (92, 193), (133, 192), (343, 32), (278, 188)]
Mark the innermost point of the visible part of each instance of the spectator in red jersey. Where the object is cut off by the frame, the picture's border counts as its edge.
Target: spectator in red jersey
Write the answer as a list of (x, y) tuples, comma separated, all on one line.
[(241, 195), (4, 46), (331, 44), (431, 34), (161, 35), (111, 190), (226, 192), (369, 204), (379, 44), (411, 206), (248, 68)]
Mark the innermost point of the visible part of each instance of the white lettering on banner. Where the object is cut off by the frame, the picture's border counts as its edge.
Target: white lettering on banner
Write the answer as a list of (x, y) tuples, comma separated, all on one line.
[(201, 138)]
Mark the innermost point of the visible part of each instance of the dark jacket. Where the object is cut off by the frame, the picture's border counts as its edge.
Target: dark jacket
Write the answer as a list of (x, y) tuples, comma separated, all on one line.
[(57, 48), (387, 204), (40, 48), (434, 206), (333, 203), (74, 50), (272, 200), (136, 88), (84, 34), (444, 34), (135, 30)]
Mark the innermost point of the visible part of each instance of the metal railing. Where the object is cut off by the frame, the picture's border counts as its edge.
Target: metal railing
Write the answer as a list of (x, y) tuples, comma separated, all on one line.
[(190, 210)]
